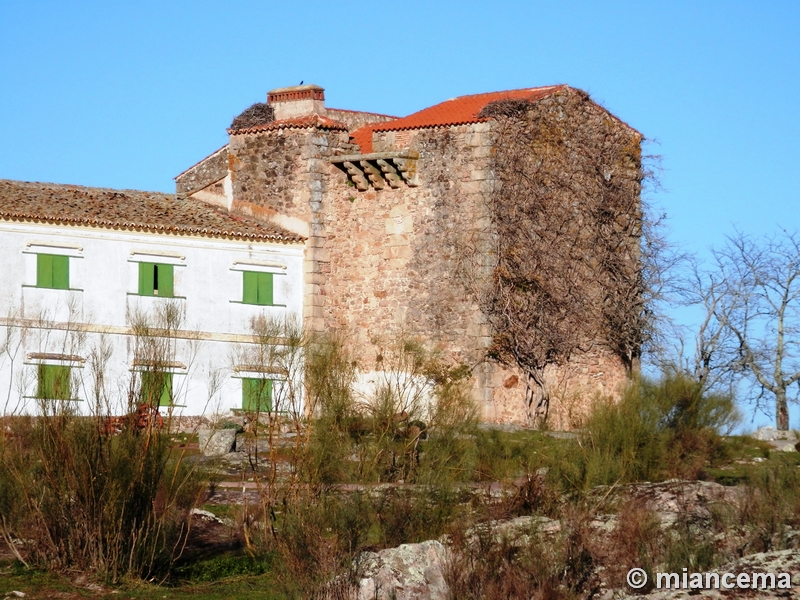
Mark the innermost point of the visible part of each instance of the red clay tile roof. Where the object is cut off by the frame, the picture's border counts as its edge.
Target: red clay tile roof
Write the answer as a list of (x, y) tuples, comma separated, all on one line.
[(309, 122), (363, 138), (464, 109), (456, 111), (130, 210)]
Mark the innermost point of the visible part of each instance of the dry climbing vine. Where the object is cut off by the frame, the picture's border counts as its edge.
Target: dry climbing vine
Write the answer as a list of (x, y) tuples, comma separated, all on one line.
[(567, 219)]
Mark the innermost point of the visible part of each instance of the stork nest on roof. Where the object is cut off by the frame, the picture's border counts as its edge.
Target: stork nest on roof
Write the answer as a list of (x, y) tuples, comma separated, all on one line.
[(259, 113)]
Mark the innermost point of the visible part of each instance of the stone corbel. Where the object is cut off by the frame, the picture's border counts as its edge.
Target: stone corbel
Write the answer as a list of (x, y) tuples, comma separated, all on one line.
[(408, 170), (374, 174), (390, 173), (356, 176)]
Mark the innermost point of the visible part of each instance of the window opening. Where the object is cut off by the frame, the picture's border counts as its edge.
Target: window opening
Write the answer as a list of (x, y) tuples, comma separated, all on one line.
[(157, 388), (54, 382), (256, 394), (258, 288), (52, 271), (156, 279)]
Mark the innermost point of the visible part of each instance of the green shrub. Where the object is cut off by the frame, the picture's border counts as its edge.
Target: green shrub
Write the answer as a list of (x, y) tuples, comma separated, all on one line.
[(659, 429)]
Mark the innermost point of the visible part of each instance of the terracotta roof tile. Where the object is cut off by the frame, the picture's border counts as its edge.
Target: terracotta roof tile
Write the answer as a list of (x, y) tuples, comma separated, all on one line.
[(309, 122), (456, 111), (363, 138), (464, 109), (131, 210)]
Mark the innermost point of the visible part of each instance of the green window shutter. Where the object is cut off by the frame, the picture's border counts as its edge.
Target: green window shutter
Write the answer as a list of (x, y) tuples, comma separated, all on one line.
[(257, 288), (266, 396), (45, 379), (54, 382), (61, 272), (166, 390), (250, 291), (146, 282), (62, 388), (151, 388), (165, 281), (265, 289), (44, 270), (248, 394), (156, 388), (52, 271), (256, 394)]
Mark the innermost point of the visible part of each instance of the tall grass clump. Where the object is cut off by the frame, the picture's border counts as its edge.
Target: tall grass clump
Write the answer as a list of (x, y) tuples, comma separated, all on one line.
[(527, 563), (770, 507), (94, 492), (659, 429), (82, 499)]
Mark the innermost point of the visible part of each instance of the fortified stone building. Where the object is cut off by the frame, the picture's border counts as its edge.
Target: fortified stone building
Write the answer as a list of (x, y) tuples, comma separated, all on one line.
[(403, 232)]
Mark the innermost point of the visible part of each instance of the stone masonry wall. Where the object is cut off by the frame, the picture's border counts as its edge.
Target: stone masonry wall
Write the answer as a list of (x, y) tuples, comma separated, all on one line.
[(278, 172), (393, 255), (574, 387), (208, 171), (267, 173), (412, 260), (282, 176), (397, 255), (579, 199)]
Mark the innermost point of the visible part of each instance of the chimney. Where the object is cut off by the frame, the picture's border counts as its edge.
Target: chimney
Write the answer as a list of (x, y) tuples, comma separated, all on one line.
[(297, 101)]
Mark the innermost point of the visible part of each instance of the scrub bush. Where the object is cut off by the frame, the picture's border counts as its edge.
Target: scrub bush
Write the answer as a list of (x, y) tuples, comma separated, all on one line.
[(659, 429)]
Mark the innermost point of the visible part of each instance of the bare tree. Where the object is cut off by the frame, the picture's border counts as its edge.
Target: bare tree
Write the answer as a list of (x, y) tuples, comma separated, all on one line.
[(707, 352), (759, 304)]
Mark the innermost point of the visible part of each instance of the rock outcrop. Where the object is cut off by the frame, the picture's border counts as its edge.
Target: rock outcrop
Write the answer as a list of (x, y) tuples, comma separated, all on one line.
[(408, 572), (418, 571)]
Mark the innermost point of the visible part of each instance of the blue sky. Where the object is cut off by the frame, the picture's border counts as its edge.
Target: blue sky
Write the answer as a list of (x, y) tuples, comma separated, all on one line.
[(129, 94)]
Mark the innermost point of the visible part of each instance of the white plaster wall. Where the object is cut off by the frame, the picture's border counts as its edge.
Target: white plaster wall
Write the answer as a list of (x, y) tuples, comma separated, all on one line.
[(104, 293)]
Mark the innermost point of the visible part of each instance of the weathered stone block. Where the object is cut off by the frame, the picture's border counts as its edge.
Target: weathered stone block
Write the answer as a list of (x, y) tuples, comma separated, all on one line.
[(216, 442)]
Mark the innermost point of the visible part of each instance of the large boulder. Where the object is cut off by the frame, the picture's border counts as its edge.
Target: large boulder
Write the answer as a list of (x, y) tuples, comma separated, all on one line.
[(216, 442), (408, 572), (769, 434), (785, 441)]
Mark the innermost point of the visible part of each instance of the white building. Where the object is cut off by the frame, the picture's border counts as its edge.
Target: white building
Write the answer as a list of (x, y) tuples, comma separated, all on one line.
[(107, 292)]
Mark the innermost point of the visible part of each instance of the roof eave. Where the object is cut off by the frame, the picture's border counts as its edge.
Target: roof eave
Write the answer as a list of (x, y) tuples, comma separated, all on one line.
[(155, 229)]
